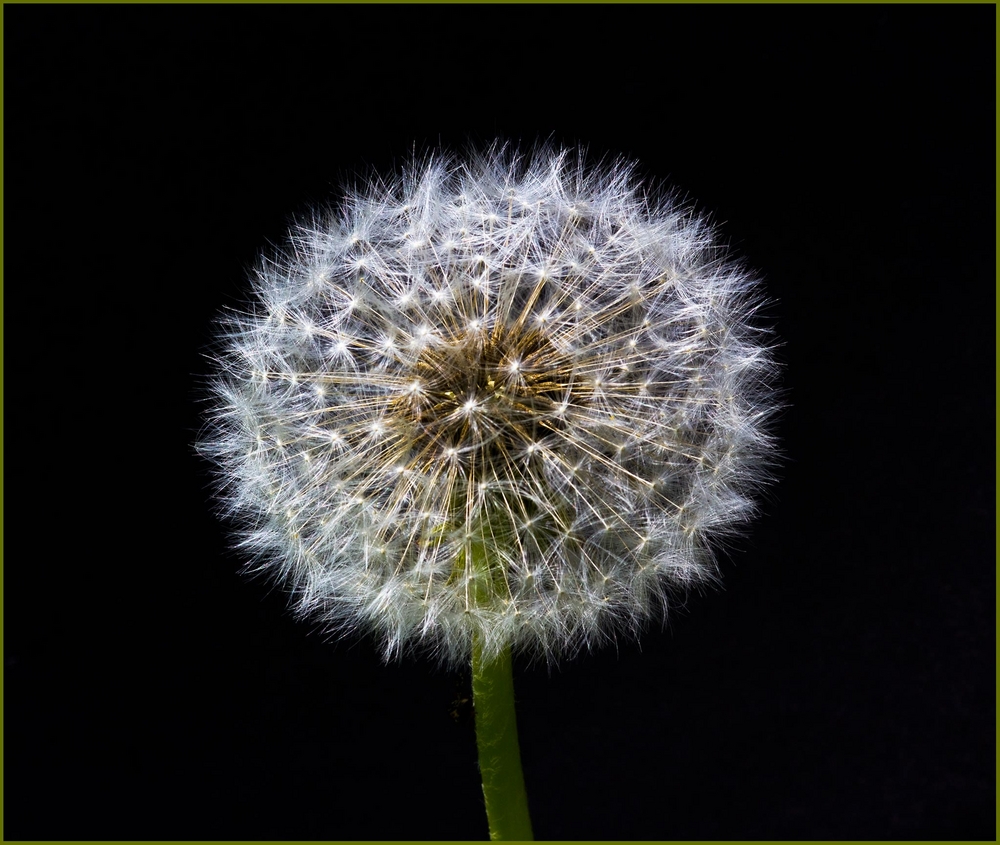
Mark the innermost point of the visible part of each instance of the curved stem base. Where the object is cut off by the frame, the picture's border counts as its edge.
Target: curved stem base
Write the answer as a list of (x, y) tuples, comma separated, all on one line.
[(499, 753)]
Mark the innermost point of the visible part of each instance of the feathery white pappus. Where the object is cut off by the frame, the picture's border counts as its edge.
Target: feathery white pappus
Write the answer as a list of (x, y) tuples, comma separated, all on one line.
[(510, 396)]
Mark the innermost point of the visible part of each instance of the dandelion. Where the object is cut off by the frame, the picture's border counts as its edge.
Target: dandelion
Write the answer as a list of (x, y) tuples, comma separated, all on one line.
[(498, 403)]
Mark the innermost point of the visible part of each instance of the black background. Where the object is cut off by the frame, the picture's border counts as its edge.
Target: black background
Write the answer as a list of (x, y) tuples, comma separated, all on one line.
[(840, 686)]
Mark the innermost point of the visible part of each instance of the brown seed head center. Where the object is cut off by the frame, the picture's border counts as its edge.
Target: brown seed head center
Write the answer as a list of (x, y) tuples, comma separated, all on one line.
[(486, 395)]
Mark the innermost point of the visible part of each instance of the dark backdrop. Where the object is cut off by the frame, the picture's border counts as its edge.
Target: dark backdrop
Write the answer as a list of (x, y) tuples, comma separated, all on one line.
[(841, 685)]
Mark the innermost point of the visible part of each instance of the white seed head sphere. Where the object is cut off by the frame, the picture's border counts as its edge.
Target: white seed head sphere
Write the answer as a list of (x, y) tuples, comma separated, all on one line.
[(509, 397)]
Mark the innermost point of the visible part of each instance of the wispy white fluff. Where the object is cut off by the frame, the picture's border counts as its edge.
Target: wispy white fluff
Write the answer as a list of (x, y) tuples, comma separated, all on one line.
[(510, 356)]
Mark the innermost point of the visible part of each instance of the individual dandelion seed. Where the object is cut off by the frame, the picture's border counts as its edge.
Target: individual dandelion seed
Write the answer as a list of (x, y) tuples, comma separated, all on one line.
[(501, 402)]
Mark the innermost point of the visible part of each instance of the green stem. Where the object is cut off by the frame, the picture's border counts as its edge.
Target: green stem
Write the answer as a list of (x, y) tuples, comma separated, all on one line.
[(499, 754)]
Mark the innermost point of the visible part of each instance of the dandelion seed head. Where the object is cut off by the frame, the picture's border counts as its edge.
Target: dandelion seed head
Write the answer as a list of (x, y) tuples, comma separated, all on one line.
[(517, 359)]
